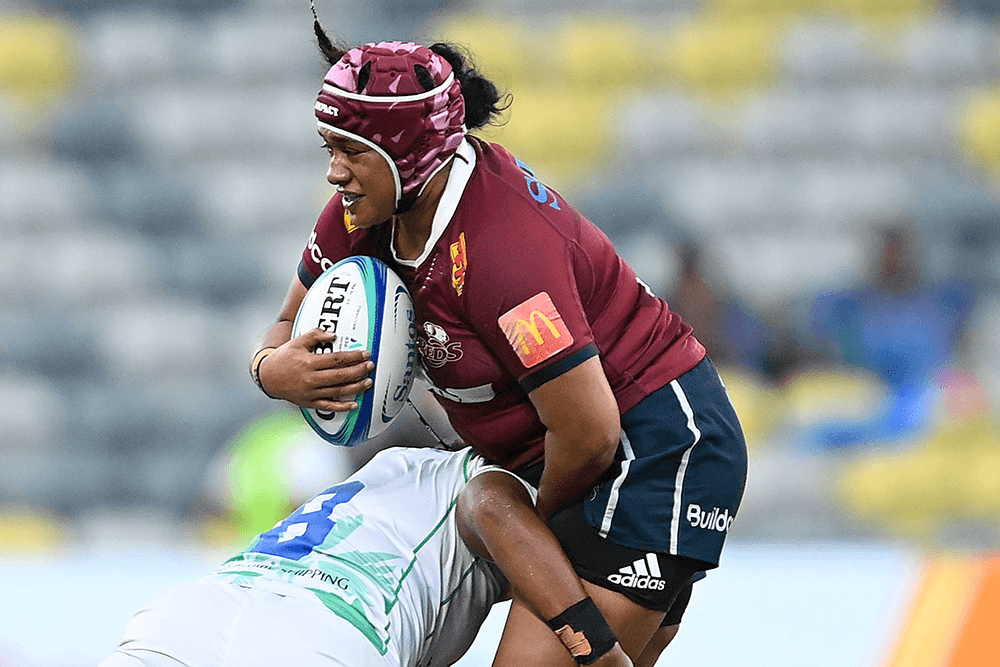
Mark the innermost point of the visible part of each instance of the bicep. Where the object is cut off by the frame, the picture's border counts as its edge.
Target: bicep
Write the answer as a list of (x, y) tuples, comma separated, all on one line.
[(579, 403)]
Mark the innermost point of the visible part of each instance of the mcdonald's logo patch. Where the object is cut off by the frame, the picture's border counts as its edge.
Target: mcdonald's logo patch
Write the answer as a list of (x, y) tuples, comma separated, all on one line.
[(535, 330), (458, 264)]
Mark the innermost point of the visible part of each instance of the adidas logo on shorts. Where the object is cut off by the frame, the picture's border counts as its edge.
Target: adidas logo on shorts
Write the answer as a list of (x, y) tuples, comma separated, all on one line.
[(643, 573)]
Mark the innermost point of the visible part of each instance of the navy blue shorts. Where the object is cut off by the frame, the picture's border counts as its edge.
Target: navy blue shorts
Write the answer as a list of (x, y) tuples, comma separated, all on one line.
[(680, 474), (658, 518)]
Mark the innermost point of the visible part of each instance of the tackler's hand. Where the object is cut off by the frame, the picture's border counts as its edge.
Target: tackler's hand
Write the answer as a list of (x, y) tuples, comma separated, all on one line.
[(616, 657), (296, 373)]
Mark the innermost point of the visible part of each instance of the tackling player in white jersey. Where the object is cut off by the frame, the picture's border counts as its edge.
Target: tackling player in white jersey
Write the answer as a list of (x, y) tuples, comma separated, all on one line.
[(371, 571)]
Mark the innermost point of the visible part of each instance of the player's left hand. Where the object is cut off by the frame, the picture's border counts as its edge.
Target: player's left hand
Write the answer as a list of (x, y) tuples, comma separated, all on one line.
[(330, 381)]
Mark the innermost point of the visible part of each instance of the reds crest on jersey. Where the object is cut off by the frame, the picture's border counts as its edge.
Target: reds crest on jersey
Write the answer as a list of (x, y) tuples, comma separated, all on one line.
[(436, 349)]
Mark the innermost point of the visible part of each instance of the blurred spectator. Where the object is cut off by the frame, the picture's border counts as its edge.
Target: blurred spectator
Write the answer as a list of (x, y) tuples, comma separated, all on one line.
[(727, 326), (274, 464), (899, 325)]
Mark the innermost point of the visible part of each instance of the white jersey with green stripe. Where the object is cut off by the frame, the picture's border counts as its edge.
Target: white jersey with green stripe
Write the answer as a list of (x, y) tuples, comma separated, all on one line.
[(382, 551)]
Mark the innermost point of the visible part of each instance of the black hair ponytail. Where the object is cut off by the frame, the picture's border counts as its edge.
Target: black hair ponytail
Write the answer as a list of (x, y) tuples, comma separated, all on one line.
[(331, 52), (483, 101)]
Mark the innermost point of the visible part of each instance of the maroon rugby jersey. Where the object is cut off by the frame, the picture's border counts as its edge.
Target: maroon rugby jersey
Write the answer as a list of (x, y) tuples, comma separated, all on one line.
[(514, 288)]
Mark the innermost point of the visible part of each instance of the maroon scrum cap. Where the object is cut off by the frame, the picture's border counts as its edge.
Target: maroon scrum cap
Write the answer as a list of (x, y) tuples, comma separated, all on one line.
[(416, 130)]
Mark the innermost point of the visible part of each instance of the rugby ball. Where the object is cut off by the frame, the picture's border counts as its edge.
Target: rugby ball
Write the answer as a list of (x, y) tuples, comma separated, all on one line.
[(369, 308)]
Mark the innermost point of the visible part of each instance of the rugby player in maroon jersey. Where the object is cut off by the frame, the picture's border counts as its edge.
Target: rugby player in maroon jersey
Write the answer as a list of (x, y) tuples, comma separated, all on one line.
[(548, 354)]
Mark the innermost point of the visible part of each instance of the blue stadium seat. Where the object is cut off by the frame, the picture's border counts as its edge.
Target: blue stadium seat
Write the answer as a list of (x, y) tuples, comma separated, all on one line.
[(39, 195), (35, 413), (847, 194), (96, 137), (827, 53), (654, 127), (196, 418), (773, 268), (220, 273), (145, 444), (51, 342), (268, 199), (793, 122), (900, 122), (964, 221), (730, 197), (986, 10), (265, 46), (950, 54), (625, 205), (276, 123), (79, 269), (143, 201), (163, 337), (139, 45), (87, 8)]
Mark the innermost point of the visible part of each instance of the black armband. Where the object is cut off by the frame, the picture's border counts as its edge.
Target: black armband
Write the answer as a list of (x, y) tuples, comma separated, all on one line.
[(584, 631)]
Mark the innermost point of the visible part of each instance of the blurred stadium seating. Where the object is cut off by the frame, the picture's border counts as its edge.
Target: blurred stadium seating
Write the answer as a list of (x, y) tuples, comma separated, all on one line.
[(159, 173)]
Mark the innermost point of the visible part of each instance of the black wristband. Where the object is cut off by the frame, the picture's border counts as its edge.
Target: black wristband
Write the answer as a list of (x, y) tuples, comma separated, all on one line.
[(584, 631), (258, 359)]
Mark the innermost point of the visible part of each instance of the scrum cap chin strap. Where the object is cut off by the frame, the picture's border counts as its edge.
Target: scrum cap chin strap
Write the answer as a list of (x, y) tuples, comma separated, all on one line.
[(378, 94)]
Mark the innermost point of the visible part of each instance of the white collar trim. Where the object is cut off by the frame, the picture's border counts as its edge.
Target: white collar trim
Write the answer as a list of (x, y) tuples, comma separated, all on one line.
[(462, 165)]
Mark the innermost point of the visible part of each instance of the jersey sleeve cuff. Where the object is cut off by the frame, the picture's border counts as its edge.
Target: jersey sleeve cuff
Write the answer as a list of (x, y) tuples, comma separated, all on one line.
[(305, 275), (552, 371)]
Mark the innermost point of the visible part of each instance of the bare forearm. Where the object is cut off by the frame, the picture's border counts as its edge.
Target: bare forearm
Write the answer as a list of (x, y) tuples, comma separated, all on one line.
[(281, 331), (580, 414), (279, 334), (570, 471), (497, 519)]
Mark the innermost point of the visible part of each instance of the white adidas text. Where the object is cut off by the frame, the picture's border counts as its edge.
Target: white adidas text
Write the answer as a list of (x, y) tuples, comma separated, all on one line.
[(643, 573)]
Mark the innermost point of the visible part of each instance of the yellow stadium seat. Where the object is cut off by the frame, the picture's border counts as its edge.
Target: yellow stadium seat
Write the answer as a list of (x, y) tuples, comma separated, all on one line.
[(909, 494), (30, 531), (882, 19), (504, 50), (821, 7), (724, 56), (763, 7), (979, 131), (832, 392), (758, 405), (883, 8), (600, 51), (981, 491), (560, 134), (952, 475), (974, 445), (38, 61)]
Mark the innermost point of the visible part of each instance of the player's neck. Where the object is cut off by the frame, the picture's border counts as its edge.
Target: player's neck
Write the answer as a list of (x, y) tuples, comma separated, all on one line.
[(413, 228)]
